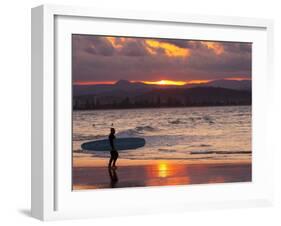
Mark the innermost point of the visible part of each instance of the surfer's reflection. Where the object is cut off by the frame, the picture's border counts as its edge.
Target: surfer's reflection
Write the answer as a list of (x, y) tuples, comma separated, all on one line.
[(113, 177)]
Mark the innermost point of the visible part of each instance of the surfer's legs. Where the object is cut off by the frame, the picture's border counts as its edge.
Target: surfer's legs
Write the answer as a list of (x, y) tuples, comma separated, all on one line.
[(115, 159), (110, 161), (114, 162)]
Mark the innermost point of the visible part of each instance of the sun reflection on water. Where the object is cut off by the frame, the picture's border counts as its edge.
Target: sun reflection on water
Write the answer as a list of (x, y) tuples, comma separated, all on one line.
[(166, 173), (162, 169)]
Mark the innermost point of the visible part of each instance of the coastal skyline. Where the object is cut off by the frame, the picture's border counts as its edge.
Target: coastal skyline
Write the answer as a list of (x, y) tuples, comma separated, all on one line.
[(157, 61)]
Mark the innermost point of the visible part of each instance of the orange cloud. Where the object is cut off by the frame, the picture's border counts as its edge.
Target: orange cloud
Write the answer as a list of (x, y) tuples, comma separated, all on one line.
[(116, 43), (169, 49), (215, 46)]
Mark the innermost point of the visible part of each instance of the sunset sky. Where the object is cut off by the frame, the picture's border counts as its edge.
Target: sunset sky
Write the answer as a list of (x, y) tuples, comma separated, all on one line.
[(104, 59)]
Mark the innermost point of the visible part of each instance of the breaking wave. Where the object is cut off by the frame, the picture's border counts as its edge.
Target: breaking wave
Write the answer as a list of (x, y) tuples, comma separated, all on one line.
[(191, 119), (137, 131), (145, 128), (81, 137), (177, 121)]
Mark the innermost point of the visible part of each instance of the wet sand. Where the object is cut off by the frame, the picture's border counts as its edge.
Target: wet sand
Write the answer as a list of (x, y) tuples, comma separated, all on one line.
[(93, 174)]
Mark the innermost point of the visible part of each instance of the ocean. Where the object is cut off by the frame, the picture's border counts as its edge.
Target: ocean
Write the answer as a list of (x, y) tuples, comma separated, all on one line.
[(191, 133)]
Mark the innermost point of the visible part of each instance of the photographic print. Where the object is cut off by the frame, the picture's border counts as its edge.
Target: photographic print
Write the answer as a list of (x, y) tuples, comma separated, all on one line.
[(160, 112)]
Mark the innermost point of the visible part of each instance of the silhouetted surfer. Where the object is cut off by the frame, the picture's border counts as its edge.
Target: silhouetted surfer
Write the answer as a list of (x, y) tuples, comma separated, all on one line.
[(114, 153)]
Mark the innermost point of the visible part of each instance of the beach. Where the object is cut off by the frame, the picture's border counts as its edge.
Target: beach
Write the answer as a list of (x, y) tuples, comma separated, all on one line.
[(94, 174)]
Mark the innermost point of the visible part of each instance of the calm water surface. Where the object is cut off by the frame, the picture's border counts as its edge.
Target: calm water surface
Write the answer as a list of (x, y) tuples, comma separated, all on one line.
[(197, 133)]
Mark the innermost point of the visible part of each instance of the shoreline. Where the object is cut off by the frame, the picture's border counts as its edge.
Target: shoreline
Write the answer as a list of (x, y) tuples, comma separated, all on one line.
[(94, 174), (88, 161)]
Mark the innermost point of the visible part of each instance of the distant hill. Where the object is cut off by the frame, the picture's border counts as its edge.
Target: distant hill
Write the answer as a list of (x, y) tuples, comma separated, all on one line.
[(125, 86), (124, 94), (231, 84)]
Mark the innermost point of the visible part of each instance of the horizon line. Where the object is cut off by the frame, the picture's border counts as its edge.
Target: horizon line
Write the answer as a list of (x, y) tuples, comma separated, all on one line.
[(159, 82)]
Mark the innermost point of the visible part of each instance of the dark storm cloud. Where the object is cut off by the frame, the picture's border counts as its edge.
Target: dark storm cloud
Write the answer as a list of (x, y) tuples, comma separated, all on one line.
[(98, 58), (133, 48), (99, 46), (236, 57), (192, 44), (241, 48)]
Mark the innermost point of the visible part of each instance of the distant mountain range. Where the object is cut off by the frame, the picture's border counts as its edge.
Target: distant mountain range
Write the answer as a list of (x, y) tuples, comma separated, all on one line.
[(126, 86), (125, 94), (230, 84)]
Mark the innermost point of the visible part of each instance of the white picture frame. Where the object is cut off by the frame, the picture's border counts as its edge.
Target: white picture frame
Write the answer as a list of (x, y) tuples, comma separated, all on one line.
[(50, 176)]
